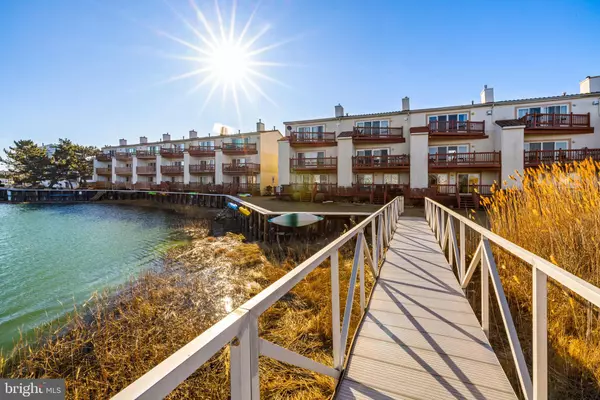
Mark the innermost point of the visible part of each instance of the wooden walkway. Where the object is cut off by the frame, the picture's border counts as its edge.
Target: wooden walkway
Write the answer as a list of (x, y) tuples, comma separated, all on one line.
[(420, 338)]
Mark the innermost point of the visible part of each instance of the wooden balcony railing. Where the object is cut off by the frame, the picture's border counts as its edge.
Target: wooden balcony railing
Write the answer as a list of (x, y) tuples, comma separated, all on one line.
[(101, 185), (202, 168), (145, 154), (171, 152), (314, 163), (389, 134), (239, 148), (202, 151), (457, 128), (312, 138), (241, 169), (143, 185), (123, 156), (535, 121), (378, 162), (534, 158), (173, 186), (103, 157), (172, 169), (454, 190), (490, 159), (148, 170), (201, 187), (104, 171), (246, 188), (123, 170)]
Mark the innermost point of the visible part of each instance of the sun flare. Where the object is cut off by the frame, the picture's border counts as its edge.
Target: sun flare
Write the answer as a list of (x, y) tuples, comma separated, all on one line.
[(229, 63)]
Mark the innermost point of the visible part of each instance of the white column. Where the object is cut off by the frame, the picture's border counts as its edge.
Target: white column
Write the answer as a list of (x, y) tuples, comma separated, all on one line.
[(218, 167), (344, 169), (186, 168), (95, 175), (113, 173), (419, 167), (158, 164), (134, 176), (512, 139), (283, 162)]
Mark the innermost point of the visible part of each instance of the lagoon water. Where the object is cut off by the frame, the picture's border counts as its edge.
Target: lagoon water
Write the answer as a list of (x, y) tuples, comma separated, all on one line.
[(55, 256)]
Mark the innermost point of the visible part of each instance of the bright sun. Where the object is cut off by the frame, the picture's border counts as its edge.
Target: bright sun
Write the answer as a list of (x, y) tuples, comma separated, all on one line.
[(224, 58)]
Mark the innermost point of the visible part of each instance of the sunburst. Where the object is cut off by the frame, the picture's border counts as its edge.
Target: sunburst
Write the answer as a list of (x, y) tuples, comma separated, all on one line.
[(224, 59)]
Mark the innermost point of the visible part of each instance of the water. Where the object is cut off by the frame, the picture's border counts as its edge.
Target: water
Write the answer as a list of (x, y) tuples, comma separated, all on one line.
[(55, 256)]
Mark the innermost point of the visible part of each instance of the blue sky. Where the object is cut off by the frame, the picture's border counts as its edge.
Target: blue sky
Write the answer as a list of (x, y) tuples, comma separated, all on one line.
[(94, 70)]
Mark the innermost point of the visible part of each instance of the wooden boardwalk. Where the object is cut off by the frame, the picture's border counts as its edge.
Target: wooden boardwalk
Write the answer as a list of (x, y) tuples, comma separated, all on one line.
[(420, 338)]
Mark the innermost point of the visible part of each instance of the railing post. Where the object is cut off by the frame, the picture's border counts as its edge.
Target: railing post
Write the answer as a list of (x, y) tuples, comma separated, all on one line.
[(254, 353), (361, 271), (239, 365), (374, 246), (335, 311), (540, 335), (463, 252), (485, 293)]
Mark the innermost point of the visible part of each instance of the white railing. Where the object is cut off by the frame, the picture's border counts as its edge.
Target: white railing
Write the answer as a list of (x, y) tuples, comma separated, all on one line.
[(239, 329), (441, 220)]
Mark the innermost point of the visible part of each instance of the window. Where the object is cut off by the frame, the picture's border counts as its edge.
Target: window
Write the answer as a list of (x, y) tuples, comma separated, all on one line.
[(364, 179), (372, 152), (373, 127), (443, 153), (447, 122), (313, 129), (532, 146), (391, 179), (556, 109), (130, 151), (208, 143)]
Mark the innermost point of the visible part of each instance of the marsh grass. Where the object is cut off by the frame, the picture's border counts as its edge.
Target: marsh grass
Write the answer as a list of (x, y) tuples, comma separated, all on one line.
[(113, 339), (556, 215)]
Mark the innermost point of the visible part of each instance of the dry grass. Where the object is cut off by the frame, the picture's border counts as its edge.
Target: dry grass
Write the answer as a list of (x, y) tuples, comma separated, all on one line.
[(114, 339), (556, 216)]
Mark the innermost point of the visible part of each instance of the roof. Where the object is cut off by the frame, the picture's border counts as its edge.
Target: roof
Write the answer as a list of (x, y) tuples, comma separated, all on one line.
[(345, 134), (509, 122), (445, 108)]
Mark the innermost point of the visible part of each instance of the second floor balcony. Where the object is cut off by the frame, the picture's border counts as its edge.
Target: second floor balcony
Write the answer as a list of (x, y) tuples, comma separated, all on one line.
[(103, 157), (202, 151), (378, 135), (146, 154), (308, 139), (123, 170), (534, 158), (171, 169), (104, 171), (123, 156), (399, 162), (171, 152), (239, 148), (457, 129), (241, 169), (203, 168), (557, 123), (147, 170), (313, 164), (463, 161)]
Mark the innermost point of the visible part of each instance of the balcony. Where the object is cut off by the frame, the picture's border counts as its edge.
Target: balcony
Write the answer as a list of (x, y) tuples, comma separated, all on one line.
[(104, 171), (172, 186), (142, 186), (465, 161), (103, 157), (316, 164), (101, 185), (202, 187), (171, 153), (387, 163), (145, 154), (534, 158), (149, 170), (123, 156), (378, 135), (241, 169), (171, 169), (557, 123), (202, 151), (123, 170), (457, 130), (202, 168), (312, 139), (239, 148)]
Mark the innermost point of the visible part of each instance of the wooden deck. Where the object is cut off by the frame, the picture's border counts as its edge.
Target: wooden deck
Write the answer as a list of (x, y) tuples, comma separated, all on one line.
[(420, 338)]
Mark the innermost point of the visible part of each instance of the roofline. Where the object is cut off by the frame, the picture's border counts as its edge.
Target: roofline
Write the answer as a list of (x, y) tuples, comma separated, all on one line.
[(446, 108)]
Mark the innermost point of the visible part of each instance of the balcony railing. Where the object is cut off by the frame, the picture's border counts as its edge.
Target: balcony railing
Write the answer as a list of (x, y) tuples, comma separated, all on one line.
[(533, 158), (202, 151), (241, 169), (239, 148), (315, 163), (453, 190), (143, 185), (378, 162), (103, 157), (541, 121), (104, 171), (312, 138), (381, 135), (489, 159), (173, 186), (123, 156), (457, 128), (146, 154), (123, 170), (202, 168), (171, 169), (171, 152), (245, 188), (148, 170)]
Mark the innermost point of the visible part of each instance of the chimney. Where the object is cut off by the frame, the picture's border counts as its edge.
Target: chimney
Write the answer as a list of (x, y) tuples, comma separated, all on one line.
[(166, 137), (193, 134), (143, 140), (122, 142), (590, 84), (260, 126), (339, 111), (405, 103), (487, 95)]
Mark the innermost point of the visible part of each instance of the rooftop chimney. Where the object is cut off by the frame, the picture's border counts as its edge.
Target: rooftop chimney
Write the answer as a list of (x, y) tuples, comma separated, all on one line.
[(166, 137), (405, 103), (339, 111), (122, 142), (487, 95), (590, 84), (260, 126), (193, 134), (143, 140)]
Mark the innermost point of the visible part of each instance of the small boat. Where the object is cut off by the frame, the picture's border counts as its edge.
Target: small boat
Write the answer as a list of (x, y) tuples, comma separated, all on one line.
[(244, 195), (295, 219), (152, 193), (233, 206), (244, 211)]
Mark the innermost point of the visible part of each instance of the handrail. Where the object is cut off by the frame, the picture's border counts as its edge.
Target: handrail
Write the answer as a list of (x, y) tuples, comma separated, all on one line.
[(240, 328), (443, 228)]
